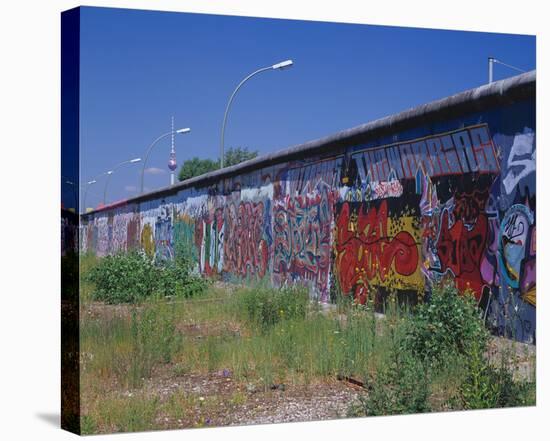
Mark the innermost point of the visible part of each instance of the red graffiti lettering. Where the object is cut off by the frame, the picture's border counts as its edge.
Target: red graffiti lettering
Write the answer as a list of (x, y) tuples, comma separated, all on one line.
[(460, 249), (365, 250)]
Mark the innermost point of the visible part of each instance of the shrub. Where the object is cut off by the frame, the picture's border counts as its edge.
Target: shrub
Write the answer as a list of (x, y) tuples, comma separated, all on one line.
[(123, 278), (446, 330), (487, 386), (174, 278), (478, 390), (132, 277), (400, 388), (449, 322)]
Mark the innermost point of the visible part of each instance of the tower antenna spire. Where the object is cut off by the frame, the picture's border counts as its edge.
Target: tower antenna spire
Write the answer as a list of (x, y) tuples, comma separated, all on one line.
[(173, 140), (172, 164)]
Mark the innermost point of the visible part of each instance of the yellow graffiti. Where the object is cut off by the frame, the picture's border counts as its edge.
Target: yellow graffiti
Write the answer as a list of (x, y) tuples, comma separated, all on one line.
[(394, 280), (147, 242), (531, 296)]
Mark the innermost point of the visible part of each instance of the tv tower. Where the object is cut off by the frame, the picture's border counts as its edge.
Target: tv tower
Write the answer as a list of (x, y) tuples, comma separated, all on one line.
[(172, 164)]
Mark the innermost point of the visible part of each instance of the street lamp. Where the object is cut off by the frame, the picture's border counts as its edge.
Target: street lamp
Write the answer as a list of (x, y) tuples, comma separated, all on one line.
[(110, 172), (493, 60), (278, 66), (93, 181), (179, 131)]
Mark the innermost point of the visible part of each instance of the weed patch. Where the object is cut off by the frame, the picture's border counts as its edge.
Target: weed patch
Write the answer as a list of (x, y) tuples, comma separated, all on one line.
[(127, 348), (265, 306), (258, 339)]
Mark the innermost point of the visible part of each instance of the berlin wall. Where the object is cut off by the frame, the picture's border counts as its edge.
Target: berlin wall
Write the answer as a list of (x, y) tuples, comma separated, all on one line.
[(445, 191)]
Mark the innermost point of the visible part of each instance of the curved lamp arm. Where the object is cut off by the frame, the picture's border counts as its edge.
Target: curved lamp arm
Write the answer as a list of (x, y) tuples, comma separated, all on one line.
[(148, 152), (110, 172), (90, 182), (281, 65)]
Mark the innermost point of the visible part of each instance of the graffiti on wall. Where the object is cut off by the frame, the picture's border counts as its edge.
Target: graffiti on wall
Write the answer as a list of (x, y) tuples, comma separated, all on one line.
[(163, 236), (372, 248), (247, 245), (184, 236), (147, 243), (528, 273), (369, 190), (302, 239), (455, 236), (209, 241), (517, 249), (458, 152), (457, 205), (132, 232), (521, 160)]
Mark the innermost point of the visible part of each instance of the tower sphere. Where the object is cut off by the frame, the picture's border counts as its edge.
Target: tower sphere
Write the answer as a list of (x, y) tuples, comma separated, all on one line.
[(172, 164)]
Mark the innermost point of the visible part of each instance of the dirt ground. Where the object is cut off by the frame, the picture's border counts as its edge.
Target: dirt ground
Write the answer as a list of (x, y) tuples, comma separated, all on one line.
[(218, 399), (282, 403), (225, 402)]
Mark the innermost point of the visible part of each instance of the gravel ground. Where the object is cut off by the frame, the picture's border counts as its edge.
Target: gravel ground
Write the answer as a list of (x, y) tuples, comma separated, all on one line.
[(216, 405), (320, 402), (521, 356)]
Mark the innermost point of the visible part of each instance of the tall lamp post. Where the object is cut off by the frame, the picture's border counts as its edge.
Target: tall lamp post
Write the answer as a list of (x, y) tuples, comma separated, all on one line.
[(147, 153), (90, 182), (278, 66), (110, 172), (85, 186)]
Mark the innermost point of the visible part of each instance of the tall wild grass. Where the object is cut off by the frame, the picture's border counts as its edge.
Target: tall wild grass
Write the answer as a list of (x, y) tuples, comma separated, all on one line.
[(431, 357)]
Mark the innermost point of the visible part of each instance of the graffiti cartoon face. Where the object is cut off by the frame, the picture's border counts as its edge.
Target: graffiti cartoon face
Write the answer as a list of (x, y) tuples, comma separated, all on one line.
[(513, 238)]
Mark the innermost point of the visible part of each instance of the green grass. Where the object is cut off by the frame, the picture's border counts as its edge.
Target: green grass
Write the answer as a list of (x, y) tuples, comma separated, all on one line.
[(294, 347), (128, 414), (266, 336), (211, 333), (125, 348)]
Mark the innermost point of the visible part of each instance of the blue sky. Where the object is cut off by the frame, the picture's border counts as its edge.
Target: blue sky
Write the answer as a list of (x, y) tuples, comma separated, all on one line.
[(138, 68)]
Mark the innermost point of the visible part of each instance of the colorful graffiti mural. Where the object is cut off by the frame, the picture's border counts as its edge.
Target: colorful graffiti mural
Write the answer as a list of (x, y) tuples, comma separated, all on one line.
[(302, 239), (163, 236), (372, 248), (456, 238), (454, 201), (452, 153), (247, 244)]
